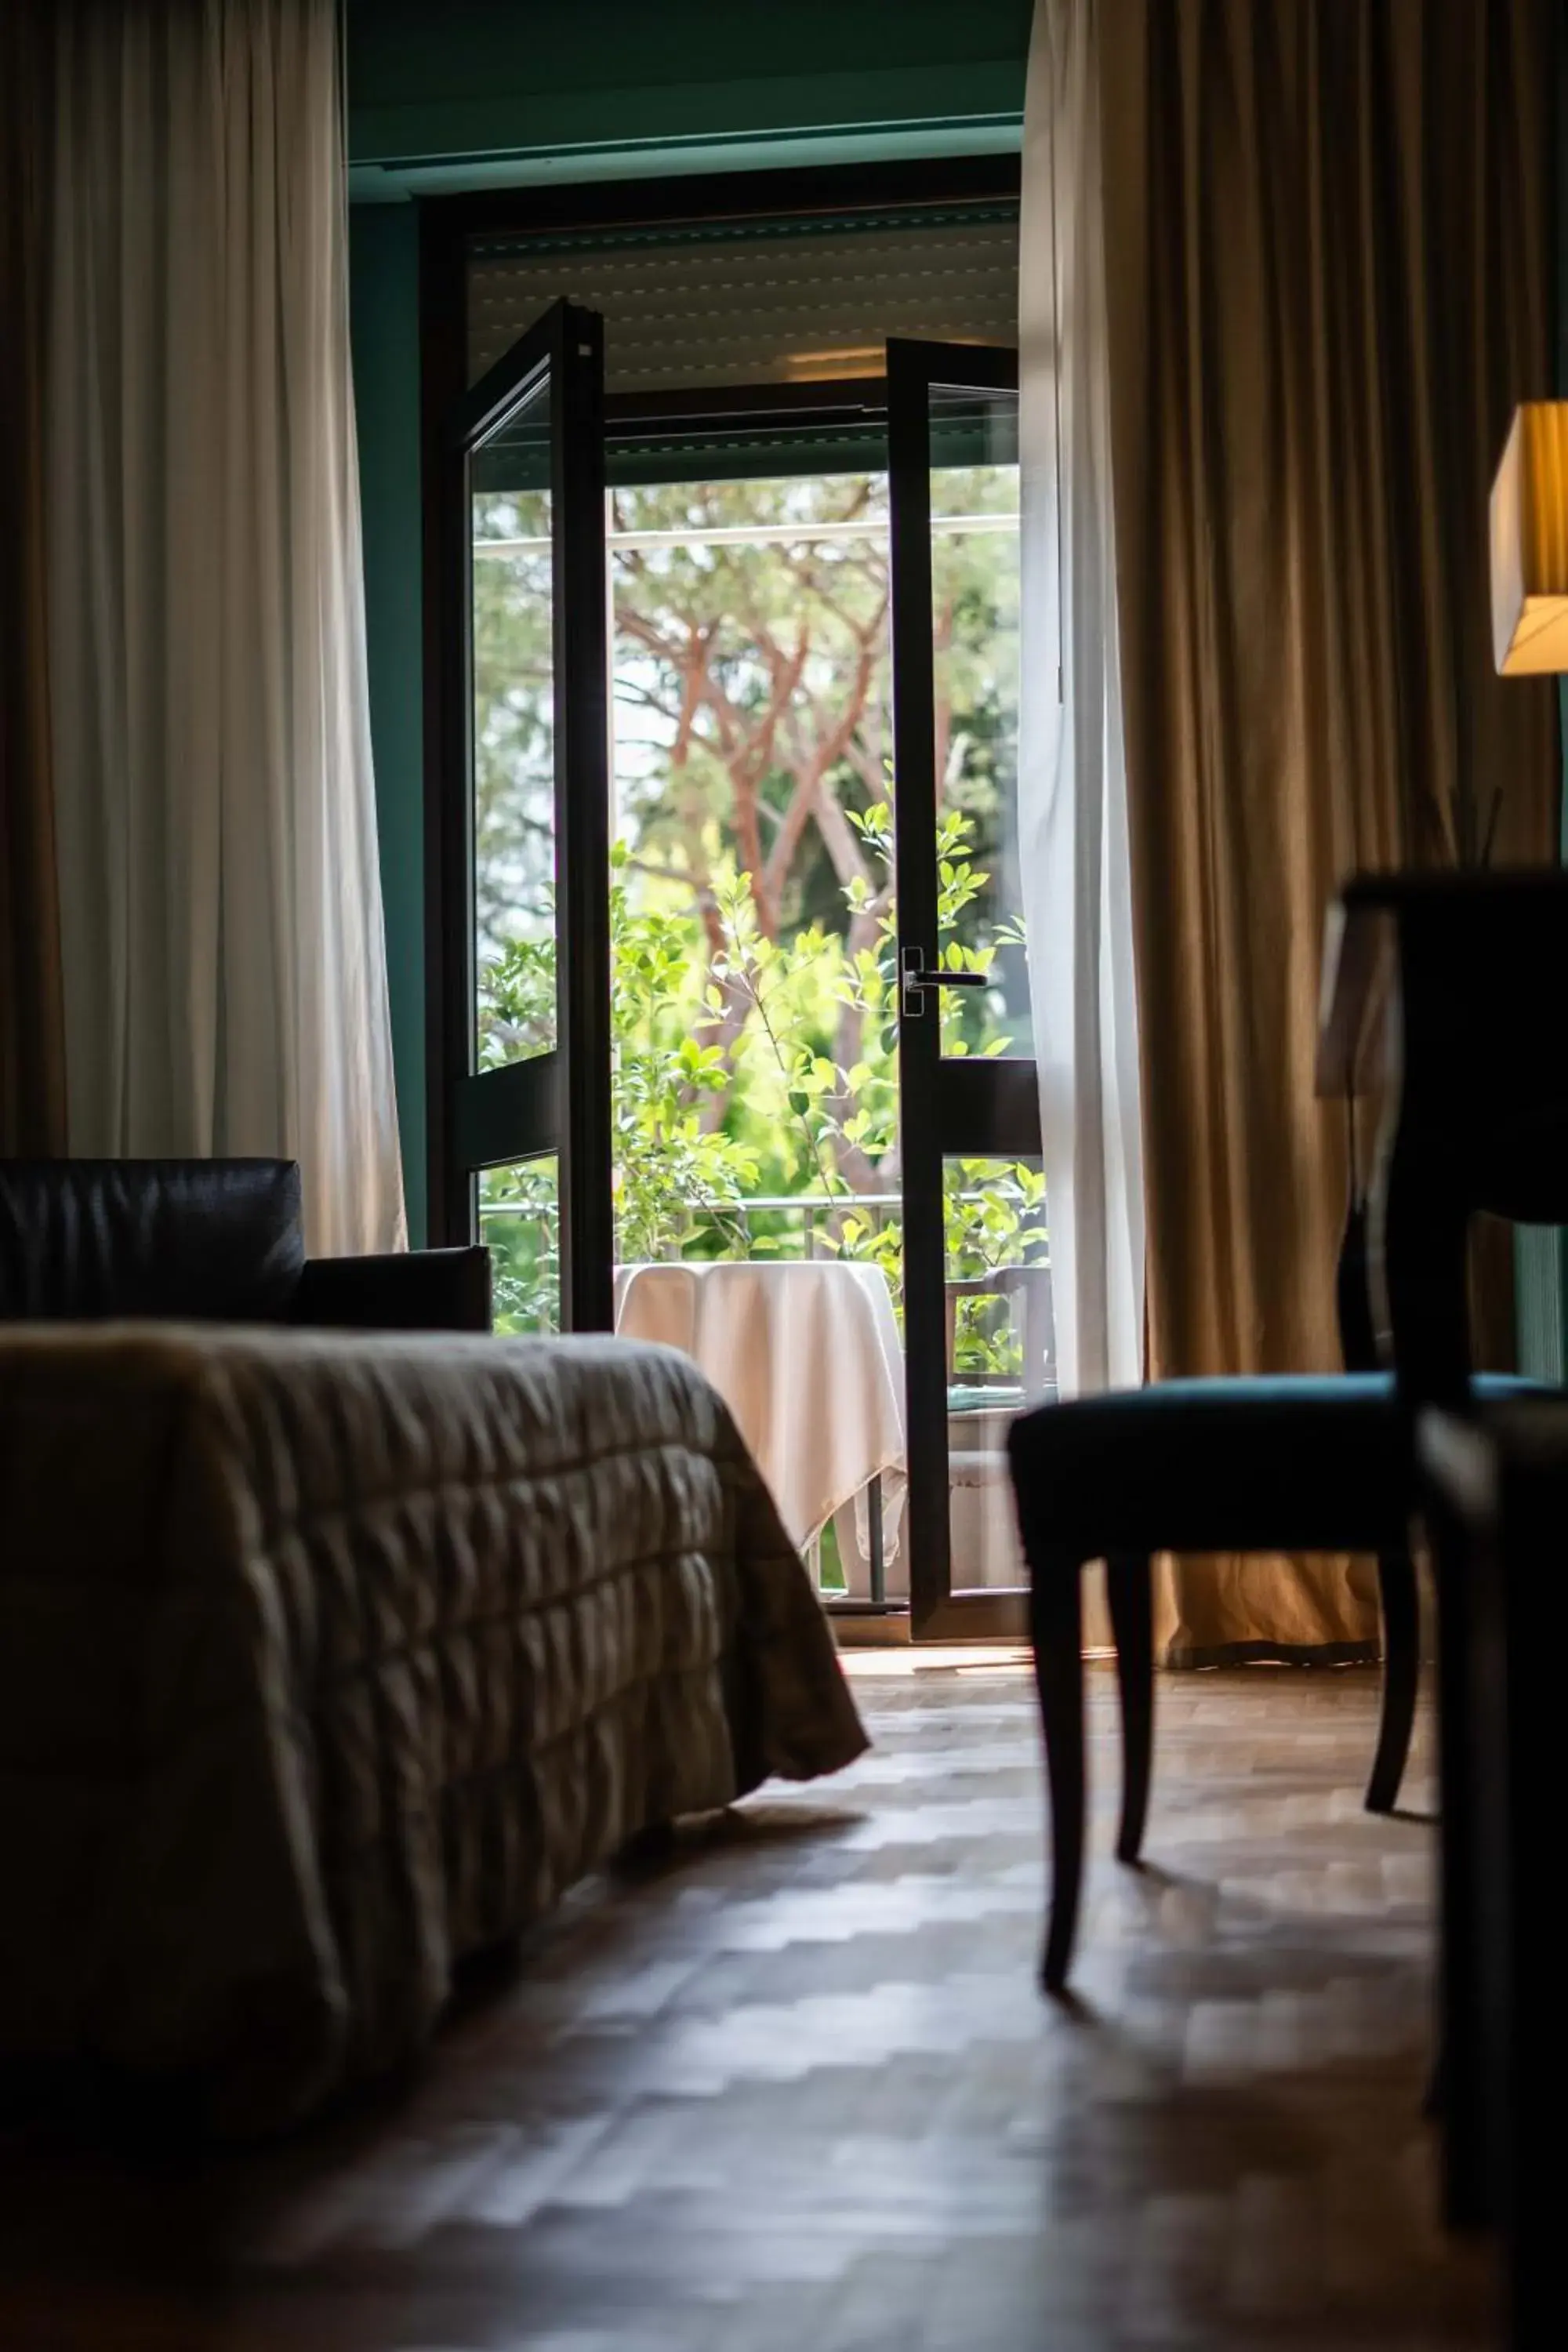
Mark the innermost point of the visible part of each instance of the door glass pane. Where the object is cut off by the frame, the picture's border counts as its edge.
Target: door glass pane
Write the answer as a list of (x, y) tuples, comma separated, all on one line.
[(520, 1223), (974, 626), (1001, 1352), (511, 587)]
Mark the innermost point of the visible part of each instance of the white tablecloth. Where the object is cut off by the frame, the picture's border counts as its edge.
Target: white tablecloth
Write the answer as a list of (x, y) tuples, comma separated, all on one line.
[(806, 1355)]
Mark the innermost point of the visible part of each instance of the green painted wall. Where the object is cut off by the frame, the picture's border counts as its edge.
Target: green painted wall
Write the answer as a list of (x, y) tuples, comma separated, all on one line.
[(446, 94), (383, 294)]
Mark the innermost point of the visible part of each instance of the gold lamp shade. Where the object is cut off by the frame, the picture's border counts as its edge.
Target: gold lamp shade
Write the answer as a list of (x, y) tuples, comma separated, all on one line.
[(1530, 542)]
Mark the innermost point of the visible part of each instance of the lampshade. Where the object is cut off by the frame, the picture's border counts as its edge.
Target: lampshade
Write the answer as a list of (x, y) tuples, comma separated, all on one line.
[(1530, 542)]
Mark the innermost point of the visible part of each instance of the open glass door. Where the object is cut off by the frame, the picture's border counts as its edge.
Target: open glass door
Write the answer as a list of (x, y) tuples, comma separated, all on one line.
[(978, 1299), (527, 1140)]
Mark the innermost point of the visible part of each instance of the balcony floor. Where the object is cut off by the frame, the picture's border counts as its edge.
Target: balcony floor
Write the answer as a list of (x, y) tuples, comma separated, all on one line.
[(793, 2086)]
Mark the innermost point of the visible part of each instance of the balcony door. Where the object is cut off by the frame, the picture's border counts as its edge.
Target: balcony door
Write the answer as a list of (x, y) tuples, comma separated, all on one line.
[(525, 1153), (977, 1301), (525, 1142)]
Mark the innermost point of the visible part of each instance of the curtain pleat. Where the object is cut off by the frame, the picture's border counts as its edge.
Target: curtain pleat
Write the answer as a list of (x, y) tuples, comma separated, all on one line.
[(32, 1028), (225, 961), (1072, 778), (1329, 279)]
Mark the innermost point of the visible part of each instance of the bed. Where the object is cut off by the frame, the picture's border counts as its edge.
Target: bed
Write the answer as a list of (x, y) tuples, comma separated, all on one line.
[(326, 1659)]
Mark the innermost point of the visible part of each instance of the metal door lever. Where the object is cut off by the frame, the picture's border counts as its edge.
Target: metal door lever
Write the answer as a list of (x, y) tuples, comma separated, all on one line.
[(918, 976)]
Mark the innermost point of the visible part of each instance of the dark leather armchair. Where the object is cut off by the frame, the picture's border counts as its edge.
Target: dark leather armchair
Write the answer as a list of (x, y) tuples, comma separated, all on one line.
[(211, 1241)]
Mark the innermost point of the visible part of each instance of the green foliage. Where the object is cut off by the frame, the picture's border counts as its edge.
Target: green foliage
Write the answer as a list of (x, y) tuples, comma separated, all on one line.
[(520, 1223), (667, 1162), (994, 1216), (701, 1126)]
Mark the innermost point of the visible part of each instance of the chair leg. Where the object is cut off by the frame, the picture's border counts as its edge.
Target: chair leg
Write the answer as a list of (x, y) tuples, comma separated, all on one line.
[(1470, 2200), (1129, 1585), (1401, 1676), (1055, 1613)]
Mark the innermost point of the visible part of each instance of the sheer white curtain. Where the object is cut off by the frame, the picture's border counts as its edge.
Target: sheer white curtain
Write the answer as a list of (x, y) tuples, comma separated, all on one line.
[(1072, 771), (225, 959)]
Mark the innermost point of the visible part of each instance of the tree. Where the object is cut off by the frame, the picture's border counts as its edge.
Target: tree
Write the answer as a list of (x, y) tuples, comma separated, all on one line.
[(751, 702)]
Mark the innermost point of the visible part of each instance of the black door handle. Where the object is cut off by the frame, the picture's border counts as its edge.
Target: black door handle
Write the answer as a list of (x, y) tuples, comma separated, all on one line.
[(918, 976)]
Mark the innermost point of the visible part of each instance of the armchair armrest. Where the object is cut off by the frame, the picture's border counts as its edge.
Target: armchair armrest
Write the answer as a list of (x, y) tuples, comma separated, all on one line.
[(412, 1290)]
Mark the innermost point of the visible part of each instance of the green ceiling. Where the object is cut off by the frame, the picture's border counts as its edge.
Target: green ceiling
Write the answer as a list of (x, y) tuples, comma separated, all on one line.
[(477, 92)]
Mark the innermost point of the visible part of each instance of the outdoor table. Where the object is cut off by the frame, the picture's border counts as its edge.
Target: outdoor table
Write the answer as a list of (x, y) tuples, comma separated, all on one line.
[(806, 1355)]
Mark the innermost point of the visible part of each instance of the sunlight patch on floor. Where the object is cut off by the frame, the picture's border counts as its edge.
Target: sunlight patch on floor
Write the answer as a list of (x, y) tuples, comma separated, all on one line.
[(962, 1658)]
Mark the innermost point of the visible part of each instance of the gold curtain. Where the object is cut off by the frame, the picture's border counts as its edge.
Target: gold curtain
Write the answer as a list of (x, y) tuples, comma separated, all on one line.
[(32, 1049), (1330, 264)]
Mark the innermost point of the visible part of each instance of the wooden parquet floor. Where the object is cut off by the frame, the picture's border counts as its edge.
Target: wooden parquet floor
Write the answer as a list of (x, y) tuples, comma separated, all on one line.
[(791, 2085)]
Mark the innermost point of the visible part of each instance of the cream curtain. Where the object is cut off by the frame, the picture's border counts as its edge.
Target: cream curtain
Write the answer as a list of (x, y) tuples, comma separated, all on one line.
[(1072, 789), (226, 982), (1330, 277)]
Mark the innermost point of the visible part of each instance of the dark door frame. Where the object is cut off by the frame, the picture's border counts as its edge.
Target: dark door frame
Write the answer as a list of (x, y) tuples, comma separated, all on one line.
[(531, 1106), (978, 1107)]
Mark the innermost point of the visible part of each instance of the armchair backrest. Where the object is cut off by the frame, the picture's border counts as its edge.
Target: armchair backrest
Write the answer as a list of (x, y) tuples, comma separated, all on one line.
[(196, 1240)]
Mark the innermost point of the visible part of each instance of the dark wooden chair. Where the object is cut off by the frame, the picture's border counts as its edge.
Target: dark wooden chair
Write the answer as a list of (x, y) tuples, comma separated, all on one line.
[(1444, 983), (1273, 1464)]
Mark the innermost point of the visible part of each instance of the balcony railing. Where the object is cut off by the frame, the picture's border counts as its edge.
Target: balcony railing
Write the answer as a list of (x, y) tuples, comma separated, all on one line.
[(731, 1223), (816, 1211)]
